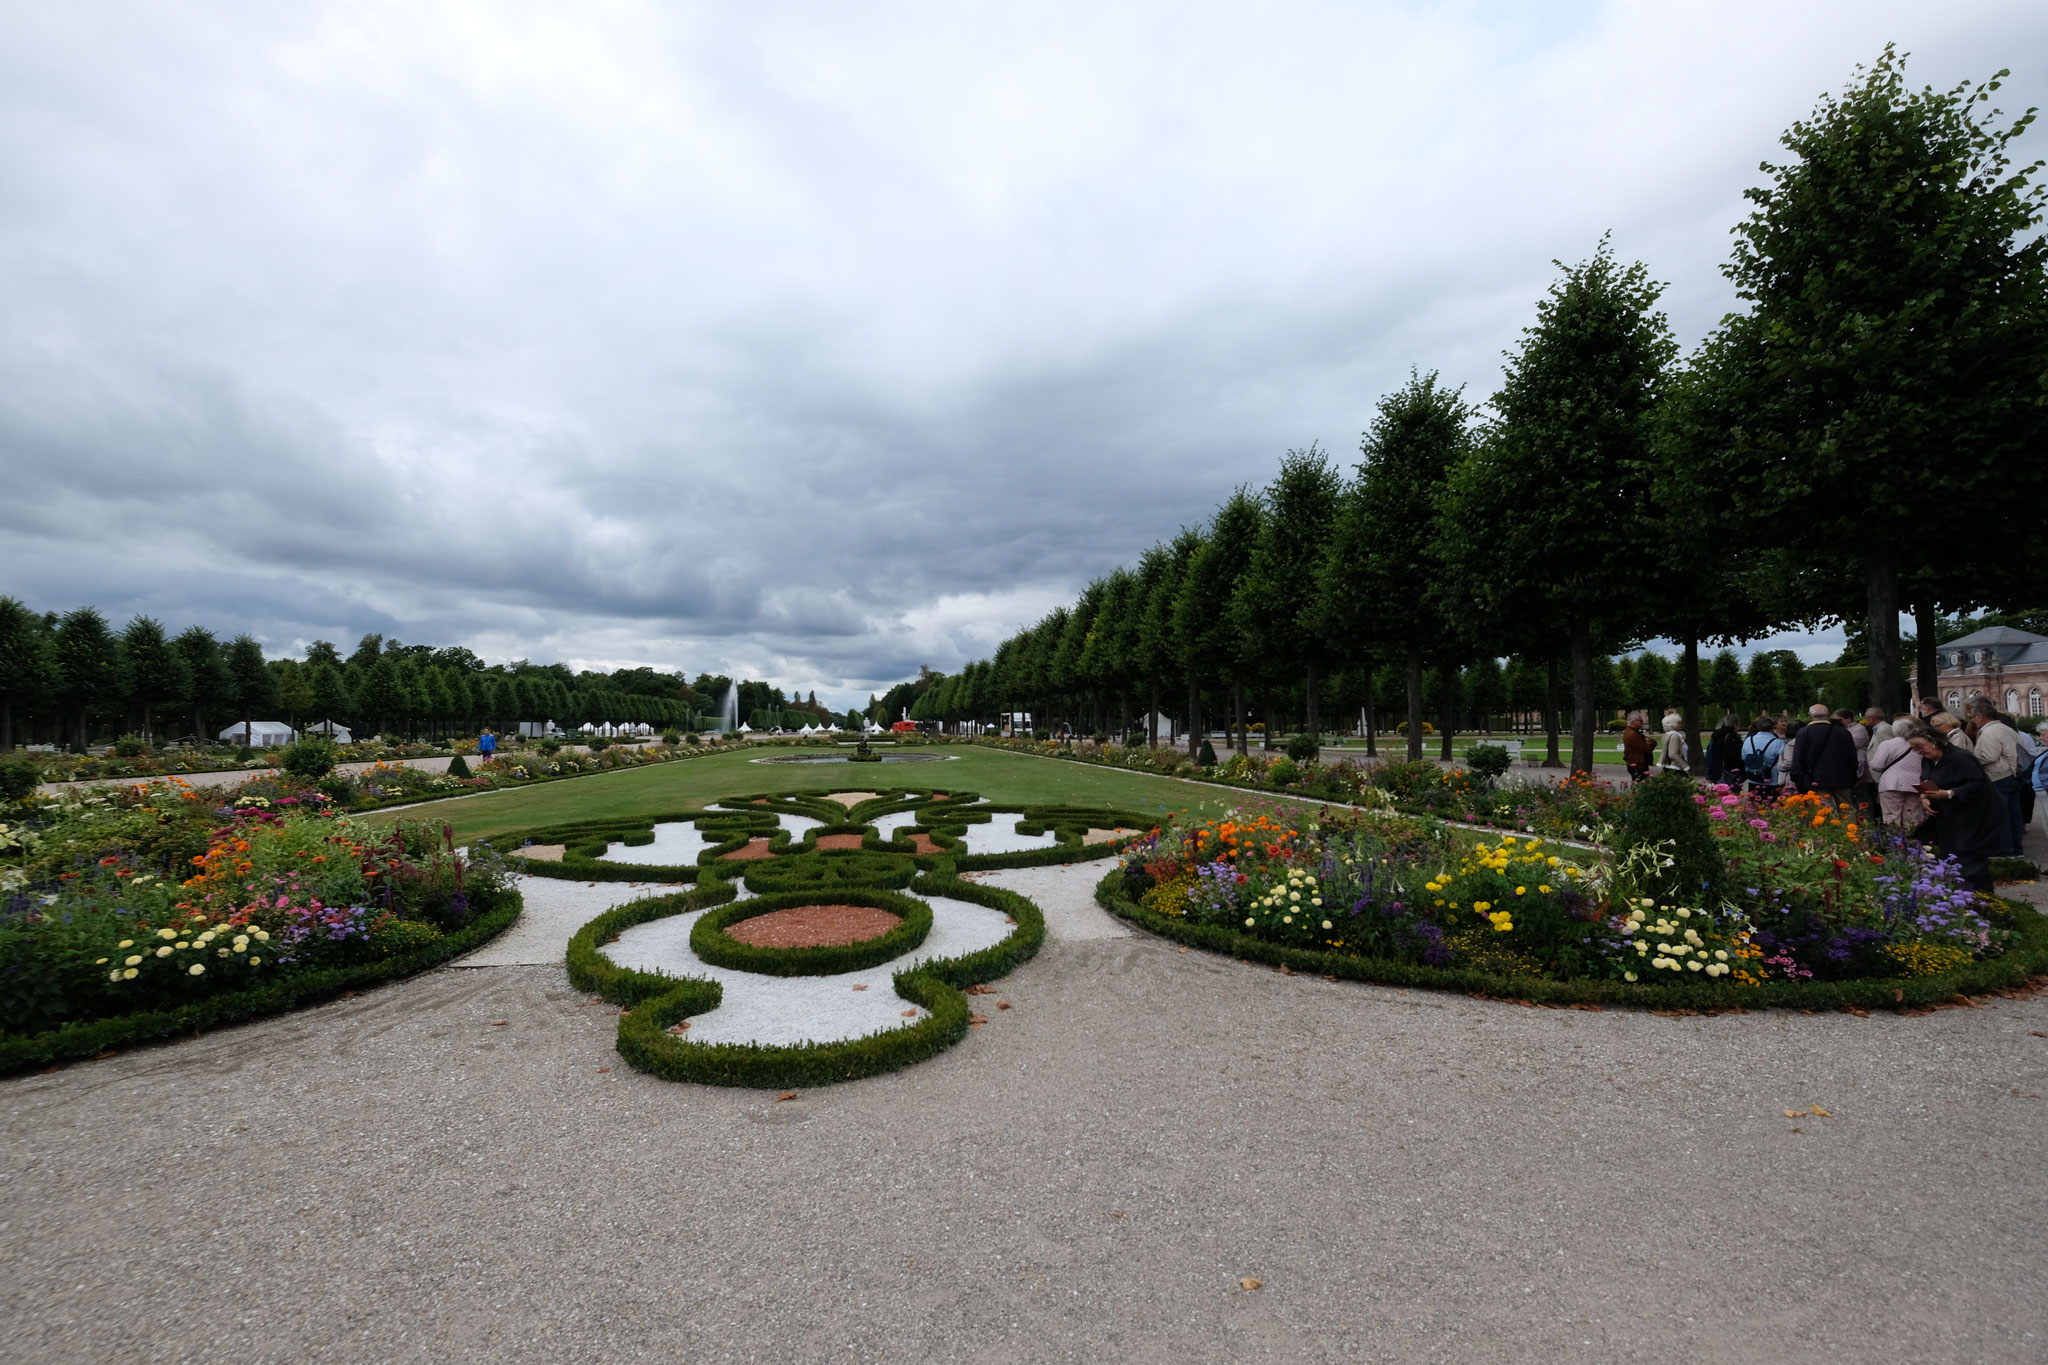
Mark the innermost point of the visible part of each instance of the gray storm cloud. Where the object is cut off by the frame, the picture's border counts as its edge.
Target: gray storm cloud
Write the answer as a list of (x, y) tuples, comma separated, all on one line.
[(804, 342)]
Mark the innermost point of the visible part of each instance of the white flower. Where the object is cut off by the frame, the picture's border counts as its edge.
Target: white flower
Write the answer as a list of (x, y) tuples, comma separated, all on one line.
[(1684, 913), (1326, 924), (164, 951), (167, 933), (1693, 966), (198, 969), (125, 943), (1294, 895), (1628, 976), (1720, 954), (1247, 919), (114, 975), (1647, 903), (128, 975), (255, 962), (134, 961)]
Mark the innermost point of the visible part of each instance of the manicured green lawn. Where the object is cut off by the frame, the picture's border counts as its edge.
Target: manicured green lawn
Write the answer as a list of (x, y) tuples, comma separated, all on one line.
[(672, 787)]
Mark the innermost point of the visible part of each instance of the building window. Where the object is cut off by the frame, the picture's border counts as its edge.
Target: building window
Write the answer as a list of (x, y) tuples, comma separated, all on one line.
[(2034, 702), (2012, 701), (1955, 704)]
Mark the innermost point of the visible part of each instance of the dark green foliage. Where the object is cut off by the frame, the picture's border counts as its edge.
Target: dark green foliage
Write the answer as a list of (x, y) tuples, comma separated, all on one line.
[(458, 766), (1206, 755), (709, 940), (311, 758), (1304, 748), (1663, 812), (814, 872), (18, 777), (598, 744), (2013, 870)]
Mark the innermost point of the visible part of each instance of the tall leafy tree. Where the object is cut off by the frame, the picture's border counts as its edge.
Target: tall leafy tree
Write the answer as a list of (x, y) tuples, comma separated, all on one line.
[(1896, 336), (330, 694), (1386, 546), (92, 672), (1212, 644), (254, 687), (212, 691), (1547, 512), (27, 667), (156, 674), (1276, 607)]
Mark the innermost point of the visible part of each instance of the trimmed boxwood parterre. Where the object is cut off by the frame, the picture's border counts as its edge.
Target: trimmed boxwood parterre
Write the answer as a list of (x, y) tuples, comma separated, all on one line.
[(2027, 957), (80, 1041), (709, 940), (655, 1002), (943, 815)]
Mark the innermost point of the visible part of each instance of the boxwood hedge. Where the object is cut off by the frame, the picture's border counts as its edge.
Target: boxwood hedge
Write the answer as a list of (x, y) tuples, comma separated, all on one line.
[(709, 940)]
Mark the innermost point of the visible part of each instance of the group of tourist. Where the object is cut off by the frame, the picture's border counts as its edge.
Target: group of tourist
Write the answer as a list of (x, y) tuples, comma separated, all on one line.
[(1967, 784)]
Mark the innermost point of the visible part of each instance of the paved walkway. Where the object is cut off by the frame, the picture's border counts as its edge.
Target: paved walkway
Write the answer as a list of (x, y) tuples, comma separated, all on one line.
[(234, 776), (459, 1168)]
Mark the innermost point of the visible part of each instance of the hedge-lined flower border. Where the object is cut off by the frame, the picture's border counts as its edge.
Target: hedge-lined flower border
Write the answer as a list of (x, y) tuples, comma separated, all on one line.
[(709, 940), (2027, 957), (296, 991), (655, 1002)]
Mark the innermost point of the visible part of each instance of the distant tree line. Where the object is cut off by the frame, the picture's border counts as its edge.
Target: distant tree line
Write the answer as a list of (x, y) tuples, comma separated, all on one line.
[(1864, 438), (70, 678)]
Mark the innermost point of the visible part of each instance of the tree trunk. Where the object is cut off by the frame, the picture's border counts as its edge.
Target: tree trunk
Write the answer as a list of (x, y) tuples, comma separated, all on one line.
[(1244, 739), (1927, 624), (1447, 678), (1691, 693), (1881, 633), (1152, 718), (1312, 713), (6, 726), (1194, 716), (1414, 702), (1582, 696)]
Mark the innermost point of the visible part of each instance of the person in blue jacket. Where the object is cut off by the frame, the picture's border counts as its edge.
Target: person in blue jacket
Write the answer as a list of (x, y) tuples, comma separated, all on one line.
[(486, 746)]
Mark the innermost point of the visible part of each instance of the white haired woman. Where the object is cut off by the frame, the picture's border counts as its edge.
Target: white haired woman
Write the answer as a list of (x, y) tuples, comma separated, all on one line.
[(1671, 754)]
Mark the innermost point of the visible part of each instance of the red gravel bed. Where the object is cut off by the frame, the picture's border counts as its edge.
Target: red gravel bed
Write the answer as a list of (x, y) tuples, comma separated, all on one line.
[(923, 844), (838, 841), (757, 847), (813, 926)]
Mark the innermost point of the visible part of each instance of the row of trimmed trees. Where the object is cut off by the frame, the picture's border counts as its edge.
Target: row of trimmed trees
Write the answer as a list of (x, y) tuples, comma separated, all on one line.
[(67, 678), (1863, 438)]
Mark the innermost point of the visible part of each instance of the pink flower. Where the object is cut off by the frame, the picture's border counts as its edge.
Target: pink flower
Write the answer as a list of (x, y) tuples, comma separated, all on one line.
[(1759, 824), (1716, 813)]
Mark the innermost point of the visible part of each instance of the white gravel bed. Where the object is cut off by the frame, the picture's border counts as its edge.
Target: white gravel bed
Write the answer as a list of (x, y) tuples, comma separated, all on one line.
[(784, 1010), (554, 911), (1000, 835), (1065, 894), (796, 825), (676, 844), (887, 825)]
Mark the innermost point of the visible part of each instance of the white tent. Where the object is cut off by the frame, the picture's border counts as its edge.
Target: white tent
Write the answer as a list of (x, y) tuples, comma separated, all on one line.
[(262, 733), (338, 733), (746, 729)]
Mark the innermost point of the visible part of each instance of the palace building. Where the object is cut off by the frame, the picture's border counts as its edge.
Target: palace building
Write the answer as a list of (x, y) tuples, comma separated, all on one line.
[(2009, 666)]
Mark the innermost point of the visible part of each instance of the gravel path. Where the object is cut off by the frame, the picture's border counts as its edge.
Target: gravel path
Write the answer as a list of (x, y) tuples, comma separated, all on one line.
[(459, 1168)]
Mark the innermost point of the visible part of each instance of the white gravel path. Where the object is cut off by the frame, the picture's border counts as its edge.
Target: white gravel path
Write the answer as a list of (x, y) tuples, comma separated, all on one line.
[(1000, 835), (676, 844), (554, 911), (1065, 893), (783, 1010)]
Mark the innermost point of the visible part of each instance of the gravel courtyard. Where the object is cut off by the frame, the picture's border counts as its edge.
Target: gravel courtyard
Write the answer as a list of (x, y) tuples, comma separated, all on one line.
[(460, 1168)]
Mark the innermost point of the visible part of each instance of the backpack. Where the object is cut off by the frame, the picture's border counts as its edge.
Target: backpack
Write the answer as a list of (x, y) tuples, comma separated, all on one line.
[(1760, 764)]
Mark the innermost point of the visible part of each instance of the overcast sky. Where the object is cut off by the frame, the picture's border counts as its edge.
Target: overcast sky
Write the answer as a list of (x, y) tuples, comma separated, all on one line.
[(808, 342)]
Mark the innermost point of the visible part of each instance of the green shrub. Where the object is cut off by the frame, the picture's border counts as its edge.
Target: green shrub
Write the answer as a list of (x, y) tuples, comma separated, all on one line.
[(550, 746), (1207, 755), (401, 936), (1303, 748), (1662, 811), (458, 766), (671, 738), (598, 744), (2013, 870), (1282, 771), (311, 758), (1409, 781), (710, 942), (131, 746), (19, 776), (1490, 761)]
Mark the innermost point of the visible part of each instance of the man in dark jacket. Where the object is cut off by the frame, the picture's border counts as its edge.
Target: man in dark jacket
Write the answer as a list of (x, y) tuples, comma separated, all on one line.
[(1824, 759)]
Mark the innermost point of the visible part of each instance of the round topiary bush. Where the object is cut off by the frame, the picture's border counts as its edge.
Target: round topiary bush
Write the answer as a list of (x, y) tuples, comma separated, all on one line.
[(1303, 748), (458, 767), (1207, 755), (1663, 810), (598, 744), (311, 758), (18, 777), (1490, 761)]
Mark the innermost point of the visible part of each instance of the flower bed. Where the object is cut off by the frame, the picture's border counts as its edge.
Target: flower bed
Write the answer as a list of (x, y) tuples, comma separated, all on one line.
[(152, 902), (1725, 904)]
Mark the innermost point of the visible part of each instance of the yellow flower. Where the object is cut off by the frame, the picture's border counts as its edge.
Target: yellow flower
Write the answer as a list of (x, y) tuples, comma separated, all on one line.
[(1482, 906), (164, 951), (128, 975), (198, 968), (167, 933), (1543, 888), (1520, 890), (258, 962), (125, 943)]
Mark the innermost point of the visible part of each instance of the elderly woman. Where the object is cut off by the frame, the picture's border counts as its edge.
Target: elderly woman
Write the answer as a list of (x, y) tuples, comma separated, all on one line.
[(1671, 752), (1951, 730), (1969, 814), (1897, 769), (1636, 747)]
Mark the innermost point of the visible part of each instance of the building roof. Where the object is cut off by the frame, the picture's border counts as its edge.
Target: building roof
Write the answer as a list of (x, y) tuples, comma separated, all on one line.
[(1995, 635)]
